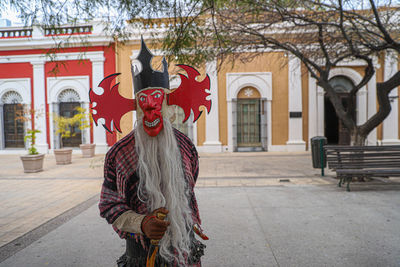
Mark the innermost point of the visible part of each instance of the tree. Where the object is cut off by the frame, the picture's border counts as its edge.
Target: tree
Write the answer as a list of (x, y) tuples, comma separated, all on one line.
[(115, 13), (322, 34), (65, 126)]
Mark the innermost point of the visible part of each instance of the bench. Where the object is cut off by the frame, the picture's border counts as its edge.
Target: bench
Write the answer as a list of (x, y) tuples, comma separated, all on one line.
[(363, 161)]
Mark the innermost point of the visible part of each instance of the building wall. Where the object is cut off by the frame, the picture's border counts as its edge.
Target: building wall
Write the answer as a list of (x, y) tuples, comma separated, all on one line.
[(284, 86), (27, 68), (274, 63)]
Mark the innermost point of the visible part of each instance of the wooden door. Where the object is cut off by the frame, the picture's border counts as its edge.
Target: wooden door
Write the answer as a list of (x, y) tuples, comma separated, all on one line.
[(248, 123), (13, 128)]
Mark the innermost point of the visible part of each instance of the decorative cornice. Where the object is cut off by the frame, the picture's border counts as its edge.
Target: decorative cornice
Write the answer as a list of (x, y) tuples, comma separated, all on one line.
[(95, 56)]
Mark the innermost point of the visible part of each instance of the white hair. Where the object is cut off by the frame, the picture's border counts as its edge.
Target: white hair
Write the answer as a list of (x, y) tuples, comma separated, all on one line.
[(162, 184)]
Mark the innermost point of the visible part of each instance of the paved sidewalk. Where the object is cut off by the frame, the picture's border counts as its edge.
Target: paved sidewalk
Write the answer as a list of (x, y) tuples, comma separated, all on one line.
[(30, 203), (27, 200), (307, 225)]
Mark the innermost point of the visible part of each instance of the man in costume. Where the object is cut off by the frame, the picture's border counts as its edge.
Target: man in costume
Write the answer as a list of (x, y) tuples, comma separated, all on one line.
[(150, 173)]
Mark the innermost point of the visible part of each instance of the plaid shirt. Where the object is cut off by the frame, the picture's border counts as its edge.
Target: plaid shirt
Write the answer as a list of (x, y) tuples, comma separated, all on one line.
[(119, 190)]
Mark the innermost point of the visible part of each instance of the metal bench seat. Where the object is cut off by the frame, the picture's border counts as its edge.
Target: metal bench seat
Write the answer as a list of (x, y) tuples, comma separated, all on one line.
[(363, 161)]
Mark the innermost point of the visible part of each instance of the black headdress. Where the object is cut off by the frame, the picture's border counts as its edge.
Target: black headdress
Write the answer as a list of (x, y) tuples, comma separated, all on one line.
[(149, 77)]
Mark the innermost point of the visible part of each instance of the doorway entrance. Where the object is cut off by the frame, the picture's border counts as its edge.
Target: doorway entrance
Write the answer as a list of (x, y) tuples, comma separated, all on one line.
[(248, 124), (68, 110), (13, 127), (335, 131)]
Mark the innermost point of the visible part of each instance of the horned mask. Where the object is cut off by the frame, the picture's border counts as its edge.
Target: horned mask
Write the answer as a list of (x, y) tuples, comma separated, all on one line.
[(151, 88)]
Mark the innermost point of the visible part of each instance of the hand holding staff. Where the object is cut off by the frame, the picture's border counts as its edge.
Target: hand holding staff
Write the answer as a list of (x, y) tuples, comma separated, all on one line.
[(154, 227)]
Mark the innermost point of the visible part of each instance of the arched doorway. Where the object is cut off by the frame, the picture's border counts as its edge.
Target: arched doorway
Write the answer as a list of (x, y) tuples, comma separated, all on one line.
[(68, 102), (14, 129), (248, 120), (335, 131)]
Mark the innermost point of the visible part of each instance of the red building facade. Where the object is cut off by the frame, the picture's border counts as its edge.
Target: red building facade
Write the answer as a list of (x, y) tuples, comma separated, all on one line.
[(35, 76)]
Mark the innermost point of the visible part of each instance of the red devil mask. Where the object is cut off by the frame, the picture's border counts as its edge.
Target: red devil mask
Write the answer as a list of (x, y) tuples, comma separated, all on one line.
[(150, 101), (149, 90)]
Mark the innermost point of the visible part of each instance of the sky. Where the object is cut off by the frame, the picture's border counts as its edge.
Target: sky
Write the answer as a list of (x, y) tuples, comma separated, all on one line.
[(11, 15)]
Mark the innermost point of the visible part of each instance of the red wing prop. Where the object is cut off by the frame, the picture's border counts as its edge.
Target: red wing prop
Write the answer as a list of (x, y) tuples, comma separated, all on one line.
[(191, 94), (110, 105)]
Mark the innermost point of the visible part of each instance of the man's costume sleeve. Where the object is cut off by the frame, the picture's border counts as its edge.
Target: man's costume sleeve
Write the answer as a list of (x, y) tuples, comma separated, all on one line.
[(112, 204)]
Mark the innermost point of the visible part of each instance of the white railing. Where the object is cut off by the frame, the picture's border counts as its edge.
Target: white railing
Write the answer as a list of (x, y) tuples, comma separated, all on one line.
[(15, 33)]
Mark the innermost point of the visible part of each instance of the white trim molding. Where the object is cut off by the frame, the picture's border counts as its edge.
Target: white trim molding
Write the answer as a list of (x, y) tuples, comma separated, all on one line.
[(40, 102), (390, 129), (262, 81), (355, 77), (295, 142), (92, 56), (316, 103), (22, 86), (212, 144), (55, 86)]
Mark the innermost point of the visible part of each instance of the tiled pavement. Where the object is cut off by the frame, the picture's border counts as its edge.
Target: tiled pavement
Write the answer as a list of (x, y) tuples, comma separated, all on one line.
[(30, 200)]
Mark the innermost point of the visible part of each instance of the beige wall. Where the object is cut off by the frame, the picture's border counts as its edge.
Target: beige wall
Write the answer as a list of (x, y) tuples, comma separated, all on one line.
[(276, 63), (304, 93)]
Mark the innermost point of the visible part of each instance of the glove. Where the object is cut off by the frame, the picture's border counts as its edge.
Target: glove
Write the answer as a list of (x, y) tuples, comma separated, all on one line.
[(153, 227)]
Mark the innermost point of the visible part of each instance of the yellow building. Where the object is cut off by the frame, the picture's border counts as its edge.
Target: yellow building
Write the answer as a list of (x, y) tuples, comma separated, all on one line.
[(271, 103)]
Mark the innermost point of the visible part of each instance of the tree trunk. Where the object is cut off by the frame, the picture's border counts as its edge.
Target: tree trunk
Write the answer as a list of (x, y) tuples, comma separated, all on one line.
[(357, 139)]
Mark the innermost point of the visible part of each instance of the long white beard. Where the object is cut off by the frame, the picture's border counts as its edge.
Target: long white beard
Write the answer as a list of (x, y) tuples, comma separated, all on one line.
[(162, 184)]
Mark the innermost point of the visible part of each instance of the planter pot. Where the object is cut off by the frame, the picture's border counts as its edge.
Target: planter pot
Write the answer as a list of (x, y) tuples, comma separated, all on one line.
[(33, 163), (87, 150), (63, 156)]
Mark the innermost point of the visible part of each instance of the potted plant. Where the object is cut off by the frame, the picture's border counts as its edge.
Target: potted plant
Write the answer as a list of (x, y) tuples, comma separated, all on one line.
[(63, 128), (33, 162)]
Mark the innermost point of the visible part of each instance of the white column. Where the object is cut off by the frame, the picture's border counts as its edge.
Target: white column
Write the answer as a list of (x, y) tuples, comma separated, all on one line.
[(86, 132), (269, 123), (230, 125), (312, 107), (362, 110), (2, 143), (390, 124), (99, 133), (371, 139), (212, 143), (40, 105), (264, 124), (295, 142), (320, 111)]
